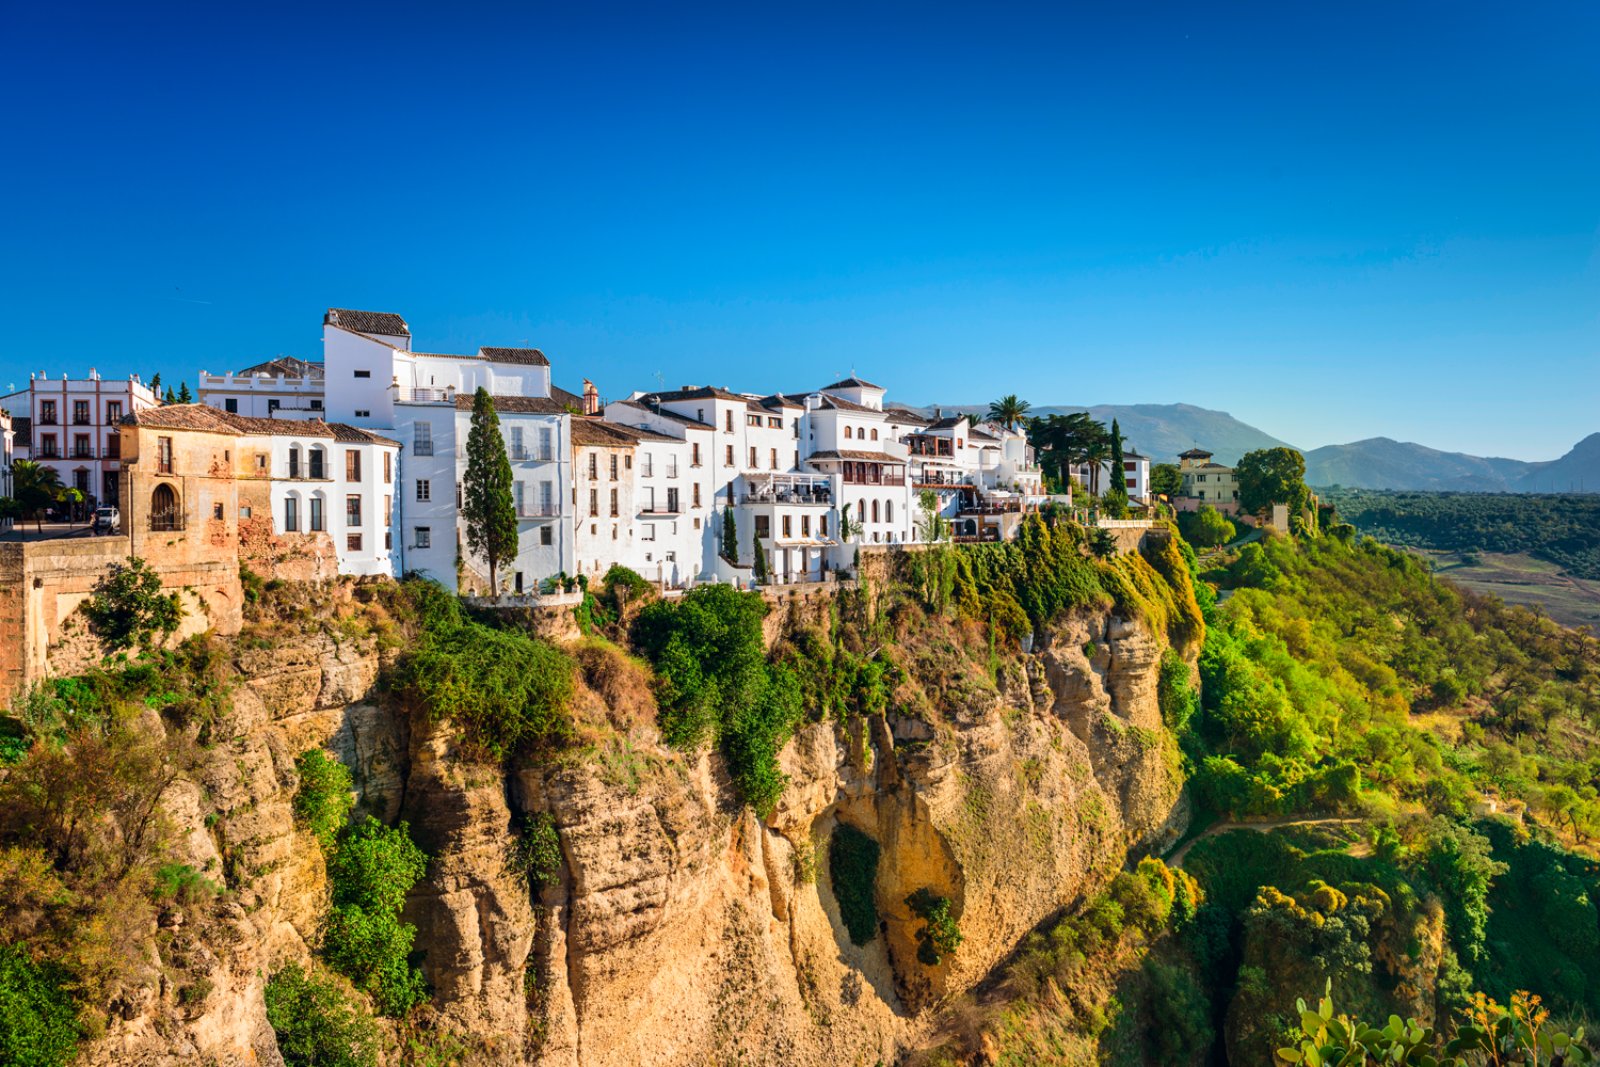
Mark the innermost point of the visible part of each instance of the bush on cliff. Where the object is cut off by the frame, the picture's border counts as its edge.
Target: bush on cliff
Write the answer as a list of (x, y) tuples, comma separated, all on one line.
[(714, 684), (38, 1021), (128, 608), (371, 871), (317, 1023), (323, 800), (508, 692)]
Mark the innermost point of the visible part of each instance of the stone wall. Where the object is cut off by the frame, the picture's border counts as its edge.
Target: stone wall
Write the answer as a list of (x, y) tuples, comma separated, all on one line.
[(42, 584)]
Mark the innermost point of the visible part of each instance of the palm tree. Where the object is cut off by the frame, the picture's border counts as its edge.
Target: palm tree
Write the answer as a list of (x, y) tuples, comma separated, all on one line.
[(1008, 411), (36, 487)]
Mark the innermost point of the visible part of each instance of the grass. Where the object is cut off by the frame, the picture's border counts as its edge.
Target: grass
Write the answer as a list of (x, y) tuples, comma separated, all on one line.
[(1524, 580)]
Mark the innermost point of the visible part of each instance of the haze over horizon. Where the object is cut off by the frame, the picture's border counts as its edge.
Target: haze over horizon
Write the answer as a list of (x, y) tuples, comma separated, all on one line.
[(1333, 224)]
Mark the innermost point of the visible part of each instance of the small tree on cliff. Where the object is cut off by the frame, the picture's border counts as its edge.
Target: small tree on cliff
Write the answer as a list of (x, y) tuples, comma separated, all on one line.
[(730, 531), (128, 608), (759, 562), (488, 508), (1115, 501)]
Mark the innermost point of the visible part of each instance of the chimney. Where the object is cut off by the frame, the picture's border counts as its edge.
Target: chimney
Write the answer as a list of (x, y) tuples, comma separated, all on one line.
[(591, 398)]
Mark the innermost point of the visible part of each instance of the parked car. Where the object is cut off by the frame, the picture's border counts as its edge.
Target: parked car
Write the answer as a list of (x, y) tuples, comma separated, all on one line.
[(107, 520)]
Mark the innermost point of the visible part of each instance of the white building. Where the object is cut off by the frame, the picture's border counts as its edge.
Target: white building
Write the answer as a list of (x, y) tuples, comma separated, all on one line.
[(7, 454), (1135, 476), (282, 388), (72, 428)]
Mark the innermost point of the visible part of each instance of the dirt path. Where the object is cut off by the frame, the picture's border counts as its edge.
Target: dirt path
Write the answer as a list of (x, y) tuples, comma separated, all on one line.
[(1260, 826)]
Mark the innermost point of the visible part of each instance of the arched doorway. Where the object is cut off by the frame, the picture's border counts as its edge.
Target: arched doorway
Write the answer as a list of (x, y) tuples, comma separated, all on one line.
[(166, 513)]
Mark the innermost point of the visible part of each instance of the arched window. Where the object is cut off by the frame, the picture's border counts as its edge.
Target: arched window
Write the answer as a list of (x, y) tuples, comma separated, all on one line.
[(874, 435), (294, 461), (291, 509), (319, 462), (861, 512), (166, 513), (874, 511), (847, 433), (888, 511)]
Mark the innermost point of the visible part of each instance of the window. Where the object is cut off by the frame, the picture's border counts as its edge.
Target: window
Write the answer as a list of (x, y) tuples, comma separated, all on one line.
[(363, 374), (261, 461), (729, 460), (888, 511), (81, 449), (752, 420), (388, 468), (517, 449), (614, 503), (822, 526), (363, 413), (80, 413), (672, 465), (388, 539), (231, 406), (694, 456), (697, 494), (163, 453), (672, 500), (424, 489), (352, 542), (788, 527), (423, 536), (753, 463), (272, 405), (352, 465), (516, 496), (244, 513), (774, 458), (647, 531), (847, 432), (613, 532), (874, 435), (316, 405), (352, 510), (291, 515), (114, 411), (727, 422), (613, 469), (319, 460), (216, 511), (763, 526), (388, 507), (805, 526), (166, 513), (594, 502), (647, 465), (546, 447), (294, 461), (874, 511), (594, 466), (317, 525), (547, 535), (774, 422), (47, 412), (113, 451), (422, 438), (547, 498)]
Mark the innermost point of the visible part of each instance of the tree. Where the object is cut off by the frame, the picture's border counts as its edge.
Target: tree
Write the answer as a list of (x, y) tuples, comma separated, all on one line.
[(933, 526), (1166, 479), (489, 510), (1008, 411), (184, 396), (35, 486), (848, 527), (155, 383), (169, 397), (1115, 502), (128, 608), (1067, 440), (1271, 476), (758, 560), (730, 531), (1206, 528)]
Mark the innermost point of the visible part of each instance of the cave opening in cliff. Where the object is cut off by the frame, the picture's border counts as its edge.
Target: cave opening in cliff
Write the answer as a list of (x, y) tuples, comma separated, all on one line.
[(853, 873)]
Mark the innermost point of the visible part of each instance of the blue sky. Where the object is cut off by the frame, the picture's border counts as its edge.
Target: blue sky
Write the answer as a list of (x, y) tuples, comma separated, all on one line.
[(1333, 220)]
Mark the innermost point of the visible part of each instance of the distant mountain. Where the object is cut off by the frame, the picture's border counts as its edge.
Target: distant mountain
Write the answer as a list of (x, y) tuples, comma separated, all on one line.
[(1383, 463), (1160, 431), (1577, 471)]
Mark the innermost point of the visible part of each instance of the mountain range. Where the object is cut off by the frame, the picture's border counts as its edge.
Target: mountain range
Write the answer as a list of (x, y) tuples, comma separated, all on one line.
[(1161, 431)]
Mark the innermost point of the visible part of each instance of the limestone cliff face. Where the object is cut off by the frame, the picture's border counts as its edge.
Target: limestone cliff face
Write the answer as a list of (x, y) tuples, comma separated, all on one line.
[(681, 929)]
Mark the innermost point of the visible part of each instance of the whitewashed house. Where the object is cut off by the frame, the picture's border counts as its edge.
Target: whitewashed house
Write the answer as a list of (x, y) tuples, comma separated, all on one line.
[(281, 388), (72, 427)]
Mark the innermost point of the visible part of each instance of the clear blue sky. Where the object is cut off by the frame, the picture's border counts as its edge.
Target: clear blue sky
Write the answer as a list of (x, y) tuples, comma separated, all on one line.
[(1334, 220)]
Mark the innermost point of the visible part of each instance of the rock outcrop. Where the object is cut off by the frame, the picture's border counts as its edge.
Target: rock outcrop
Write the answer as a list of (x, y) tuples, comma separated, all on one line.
[(681, 929)]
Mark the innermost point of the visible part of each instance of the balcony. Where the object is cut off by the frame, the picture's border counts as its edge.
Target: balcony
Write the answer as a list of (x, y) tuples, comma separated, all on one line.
[(427, 396), (787, 489), (537, 511), (531, 455)]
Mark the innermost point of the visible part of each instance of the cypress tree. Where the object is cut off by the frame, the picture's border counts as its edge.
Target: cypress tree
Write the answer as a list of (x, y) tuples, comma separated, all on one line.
[(730, 531), (759, 564), (184, 396), (488, 508)]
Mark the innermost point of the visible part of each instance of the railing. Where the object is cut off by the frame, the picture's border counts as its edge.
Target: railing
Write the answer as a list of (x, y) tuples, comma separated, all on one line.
[(427, 396), (537, 511), (531, 455), (992, 507), (422, 448), (163, 466), (787, 495), (166, 523), (663, 510)]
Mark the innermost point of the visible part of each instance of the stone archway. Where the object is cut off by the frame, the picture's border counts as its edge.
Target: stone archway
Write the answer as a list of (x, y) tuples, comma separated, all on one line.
[(166, 510)]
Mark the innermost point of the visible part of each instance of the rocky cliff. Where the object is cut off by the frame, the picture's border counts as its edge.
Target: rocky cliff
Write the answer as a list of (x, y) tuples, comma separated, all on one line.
[(680, 929)]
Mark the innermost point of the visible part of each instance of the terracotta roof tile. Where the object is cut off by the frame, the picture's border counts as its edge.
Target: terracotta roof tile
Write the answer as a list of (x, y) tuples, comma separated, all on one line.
[(527, 357), (848, 453), (590, 431), (208, 419), (517, 405), (852, 383), (386, 323)]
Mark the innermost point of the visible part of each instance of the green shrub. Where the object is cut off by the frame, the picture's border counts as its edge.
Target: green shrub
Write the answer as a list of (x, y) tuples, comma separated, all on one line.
[(38, 1021), (853, 873), (1174, 695), (714, 684), (317, 1023), (508, 692), (939, 936), (323, 801), (371, 871), (128, 608), (536, 852), (182, 884)]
